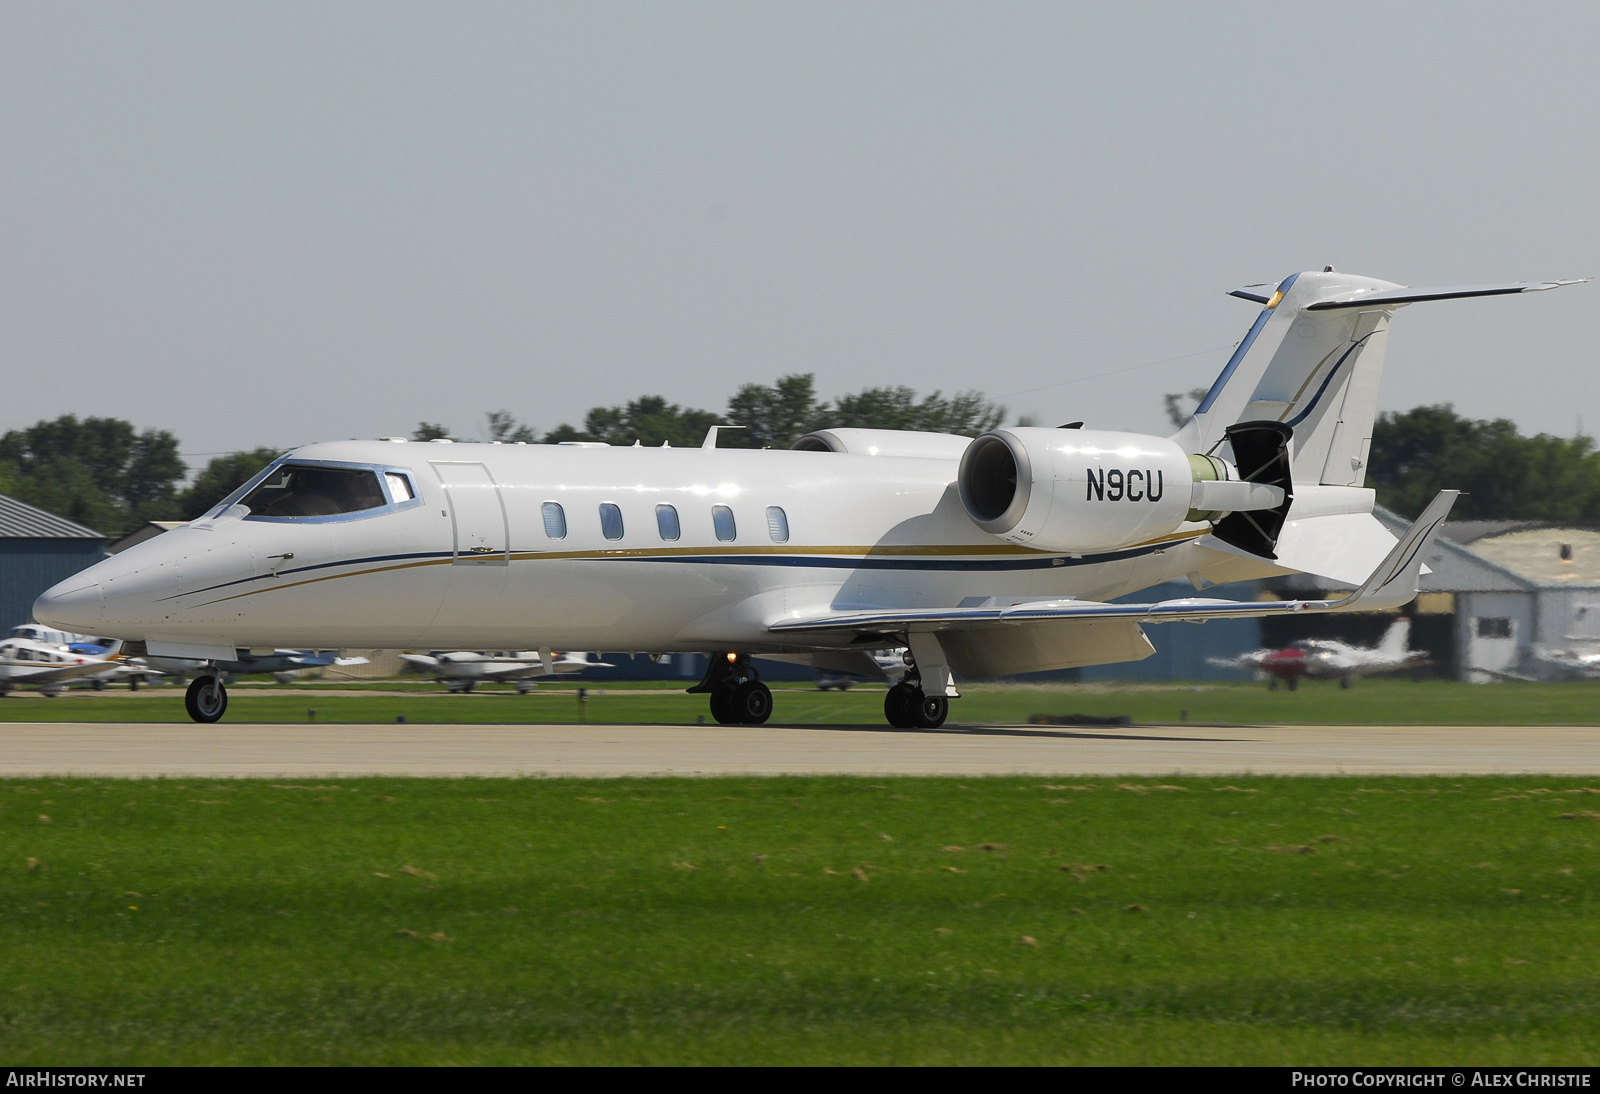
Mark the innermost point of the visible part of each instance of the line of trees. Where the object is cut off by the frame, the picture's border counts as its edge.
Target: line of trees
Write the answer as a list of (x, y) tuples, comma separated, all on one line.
[(104, 473), (767, 416)]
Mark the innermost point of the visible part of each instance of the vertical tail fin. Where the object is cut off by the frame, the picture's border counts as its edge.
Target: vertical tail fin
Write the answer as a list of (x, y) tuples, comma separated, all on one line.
[(1313, 360), (1397, 638)]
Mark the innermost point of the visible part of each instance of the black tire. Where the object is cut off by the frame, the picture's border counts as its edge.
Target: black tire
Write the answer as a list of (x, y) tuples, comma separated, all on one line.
[(930, 710), (206, 700), (1344, 683), (1294, 683), (900, 706), (752, 703), (722, 707), (98, 685), (1272, 683), (133, 683)]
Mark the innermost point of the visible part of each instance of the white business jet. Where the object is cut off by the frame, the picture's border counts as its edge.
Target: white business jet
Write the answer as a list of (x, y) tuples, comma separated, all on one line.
[(980, 557), (462, 670)]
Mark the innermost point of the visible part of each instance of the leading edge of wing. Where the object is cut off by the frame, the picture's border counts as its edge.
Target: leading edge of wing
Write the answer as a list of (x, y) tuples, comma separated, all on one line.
[(1392, 584)]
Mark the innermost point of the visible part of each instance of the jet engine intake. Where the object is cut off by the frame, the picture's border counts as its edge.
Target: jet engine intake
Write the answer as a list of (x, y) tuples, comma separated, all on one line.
[(1074, 490), (1083, 490)]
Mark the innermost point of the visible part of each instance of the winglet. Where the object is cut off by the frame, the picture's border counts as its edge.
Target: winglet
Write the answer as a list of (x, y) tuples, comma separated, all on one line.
[(1394, 582)]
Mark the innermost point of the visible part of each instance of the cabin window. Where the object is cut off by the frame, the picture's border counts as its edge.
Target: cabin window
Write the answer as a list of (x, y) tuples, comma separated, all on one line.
[(555, 520), (777, 524), (610, 520), (399, 487), (294, 490), (24, 655), (1494, 626), (722, 519), (667, 523)]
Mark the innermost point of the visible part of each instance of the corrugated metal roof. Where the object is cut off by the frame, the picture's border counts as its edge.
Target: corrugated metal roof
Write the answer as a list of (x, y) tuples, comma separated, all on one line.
[(1538, 554), (19, 520), (1470, 531)]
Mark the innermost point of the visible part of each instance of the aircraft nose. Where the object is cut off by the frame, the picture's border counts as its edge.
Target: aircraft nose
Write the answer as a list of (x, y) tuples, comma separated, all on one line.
[(71, 605)]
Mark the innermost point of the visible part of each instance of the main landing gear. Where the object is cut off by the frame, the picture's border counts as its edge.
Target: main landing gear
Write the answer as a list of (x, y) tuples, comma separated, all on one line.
[(908, 706), (738, 697), (206, 700)]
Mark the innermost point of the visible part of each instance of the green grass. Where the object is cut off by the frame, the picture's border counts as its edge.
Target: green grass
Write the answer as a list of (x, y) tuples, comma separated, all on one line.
[(800, 920), (1383, 702)]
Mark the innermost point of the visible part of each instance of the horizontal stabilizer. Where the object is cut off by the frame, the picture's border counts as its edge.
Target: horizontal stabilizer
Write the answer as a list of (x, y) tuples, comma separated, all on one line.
[(1388, 297)]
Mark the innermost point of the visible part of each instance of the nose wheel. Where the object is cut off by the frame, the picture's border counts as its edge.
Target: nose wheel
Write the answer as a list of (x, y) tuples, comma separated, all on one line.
[(738, 697), (206, 700)]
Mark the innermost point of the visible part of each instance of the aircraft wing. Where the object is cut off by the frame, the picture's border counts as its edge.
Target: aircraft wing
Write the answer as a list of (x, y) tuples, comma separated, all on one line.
[(505, 670), (1392, 584), (62, 673)]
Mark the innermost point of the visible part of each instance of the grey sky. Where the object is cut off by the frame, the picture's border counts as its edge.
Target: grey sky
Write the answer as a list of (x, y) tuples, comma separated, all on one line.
[(277, 223)]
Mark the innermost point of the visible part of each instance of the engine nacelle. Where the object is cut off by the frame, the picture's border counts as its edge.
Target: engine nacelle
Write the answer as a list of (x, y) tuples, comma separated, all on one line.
[(1080, 490)]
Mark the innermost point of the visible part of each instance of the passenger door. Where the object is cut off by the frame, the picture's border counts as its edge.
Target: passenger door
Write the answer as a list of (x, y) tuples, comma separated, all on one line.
[(474, 600), (477, 514)]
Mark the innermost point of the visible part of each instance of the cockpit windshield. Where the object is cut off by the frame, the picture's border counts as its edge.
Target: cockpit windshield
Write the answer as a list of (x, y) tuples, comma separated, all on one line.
[(296, 490)]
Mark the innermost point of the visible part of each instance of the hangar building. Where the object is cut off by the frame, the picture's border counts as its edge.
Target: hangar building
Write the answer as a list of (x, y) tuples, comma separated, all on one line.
[(38, 549), (1521, 589)]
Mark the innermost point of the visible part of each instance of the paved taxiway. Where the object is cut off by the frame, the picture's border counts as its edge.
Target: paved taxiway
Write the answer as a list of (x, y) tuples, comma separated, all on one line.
[(321, 751)]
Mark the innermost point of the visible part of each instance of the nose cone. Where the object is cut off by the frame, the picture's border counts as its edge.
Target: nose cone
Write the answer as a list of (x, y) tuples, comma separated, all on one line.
[(75, 604)]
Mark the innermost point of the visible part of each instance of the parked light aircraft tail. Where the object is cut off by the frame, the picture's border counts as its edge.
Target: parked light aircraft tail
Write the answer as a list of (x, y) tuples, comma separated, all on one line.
[(990, 556)]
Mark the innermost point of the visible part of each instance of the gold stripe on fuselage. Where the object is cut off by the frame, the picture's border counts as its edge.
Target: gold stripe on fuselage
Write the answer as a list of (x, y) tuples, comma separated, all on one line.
[(879, 551)]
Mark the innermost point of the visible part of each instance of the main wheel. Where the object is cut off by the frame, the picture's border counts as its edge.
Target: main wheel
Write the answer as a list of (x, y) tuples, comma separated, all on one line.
[(752, 702), (133, 683), (1294, 683), (722, 706), (206, 700), (900, 705), (931, 710), (1344, 683)]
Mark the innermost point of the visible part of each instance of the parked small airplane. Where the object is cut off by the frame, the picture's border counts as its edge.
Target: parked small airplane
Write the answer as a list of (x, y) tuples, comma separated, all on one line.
[(462, 670), (1329, 659), (49, 667), (1580, 661), (131, 670), (983, 557)]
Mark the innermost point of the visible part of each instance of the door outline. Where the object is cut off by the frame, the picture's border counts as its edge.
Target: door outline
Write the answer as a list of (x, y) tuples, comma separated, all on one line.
[(500, 556)]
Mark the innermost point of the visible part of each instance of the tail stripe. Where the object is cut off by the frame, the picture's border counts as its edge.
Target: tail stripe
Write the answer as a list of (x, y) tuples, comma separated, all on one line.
[(1238, 354), (1315, 399)]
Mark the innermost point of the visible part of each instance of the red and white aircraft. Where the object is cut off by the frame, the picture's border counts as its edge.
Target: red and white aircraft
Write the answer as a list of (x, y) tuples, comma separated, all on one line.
[(1329, 659)]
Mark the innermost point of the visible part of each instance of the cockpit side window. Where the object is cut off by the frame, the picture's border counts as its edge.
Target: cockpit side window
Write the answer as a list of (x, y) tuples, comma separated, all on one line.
[(399, 486), (297, 490)]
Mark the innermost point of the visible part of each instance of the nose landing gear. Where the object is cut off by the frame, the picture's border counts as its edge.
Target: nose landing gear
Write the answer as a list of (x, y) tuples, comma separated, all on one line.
[(206, 700), (738, 697)]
